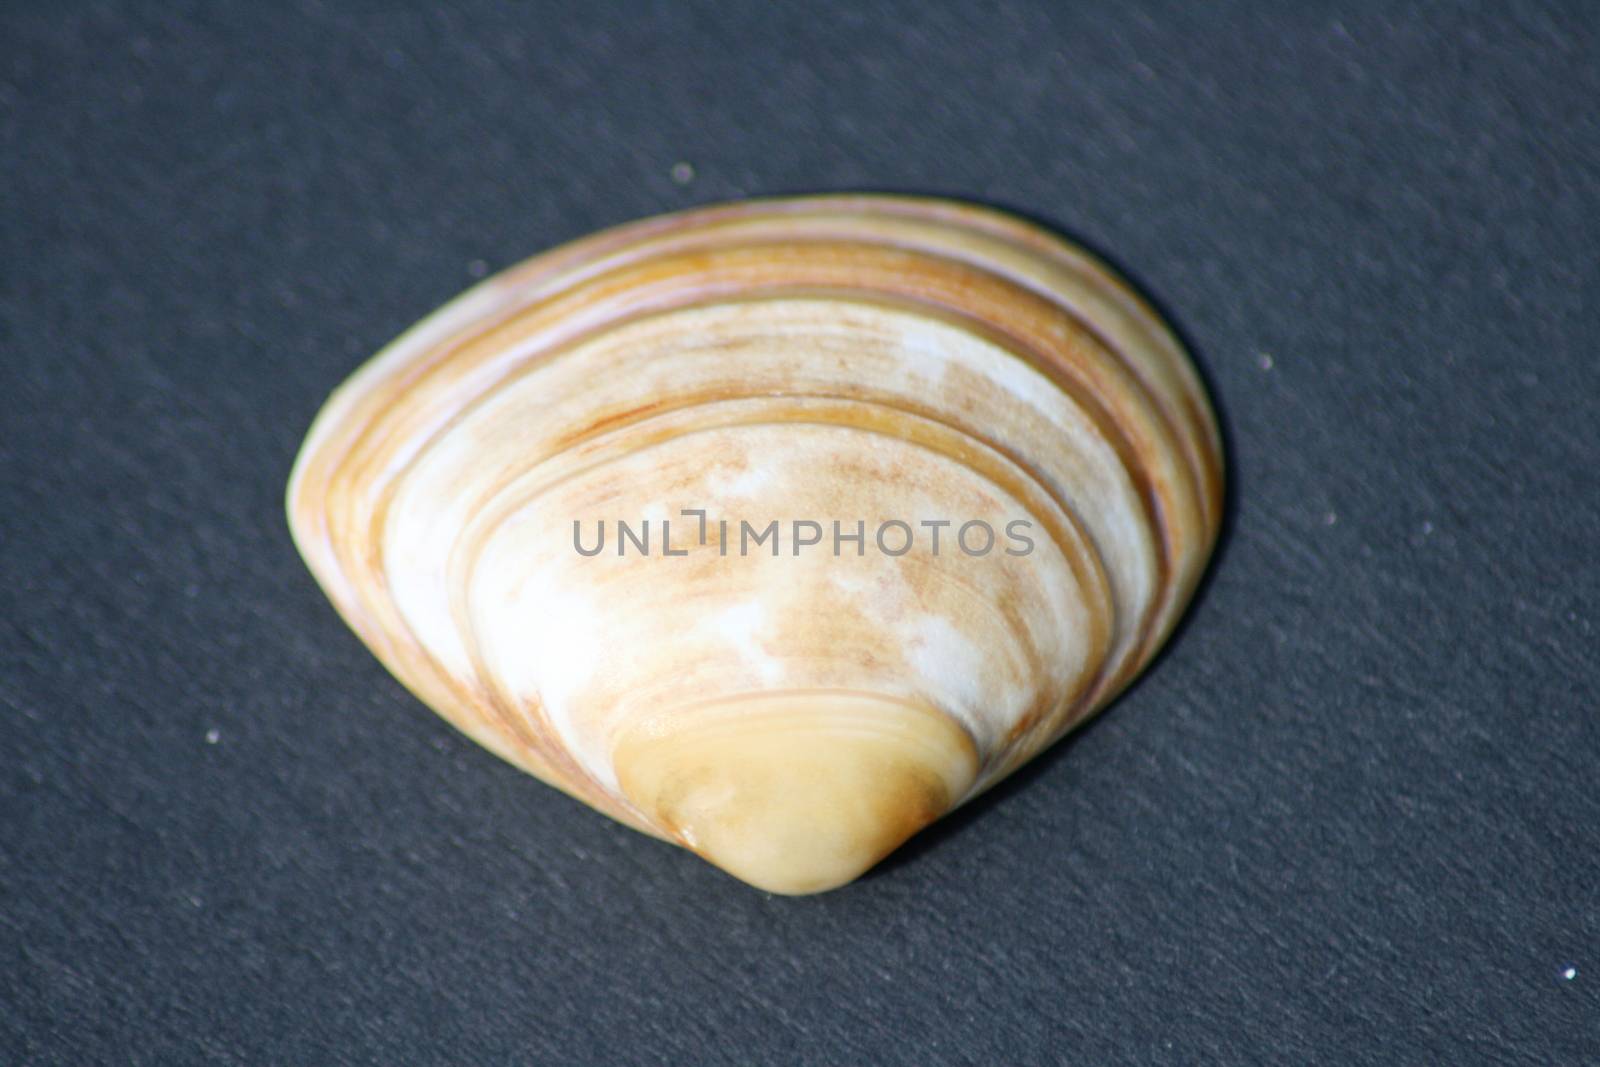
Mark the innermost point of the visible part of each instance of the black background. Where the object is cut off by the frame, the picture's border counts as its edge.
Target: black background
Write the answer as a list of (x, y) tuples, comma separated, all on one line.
[(1351, 816)]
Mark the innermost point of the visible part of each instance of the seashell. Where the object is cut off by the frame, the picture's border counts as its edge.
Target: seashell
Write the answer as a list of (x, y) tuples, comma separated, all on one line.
[(857, 370)]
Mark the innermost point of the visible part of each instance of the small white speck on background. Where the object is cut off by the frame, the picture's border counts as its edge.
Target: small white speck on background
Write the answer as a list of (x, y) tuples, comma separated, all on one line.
[(1570, 973), (682, 173), (1427, 529), (1330, 518), (213, 735), (477, 268), (1264, 360)]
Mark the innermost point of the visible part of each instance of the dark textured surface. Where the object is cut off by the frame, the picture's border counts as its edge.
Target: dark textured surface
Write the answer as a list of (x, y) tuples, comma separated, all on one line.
[(1350, 817)]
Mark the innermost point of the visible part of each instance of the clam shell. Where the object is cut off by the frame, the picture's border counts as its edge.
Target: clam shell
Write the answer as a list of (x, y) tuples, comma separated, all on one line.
[(869, 373)]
